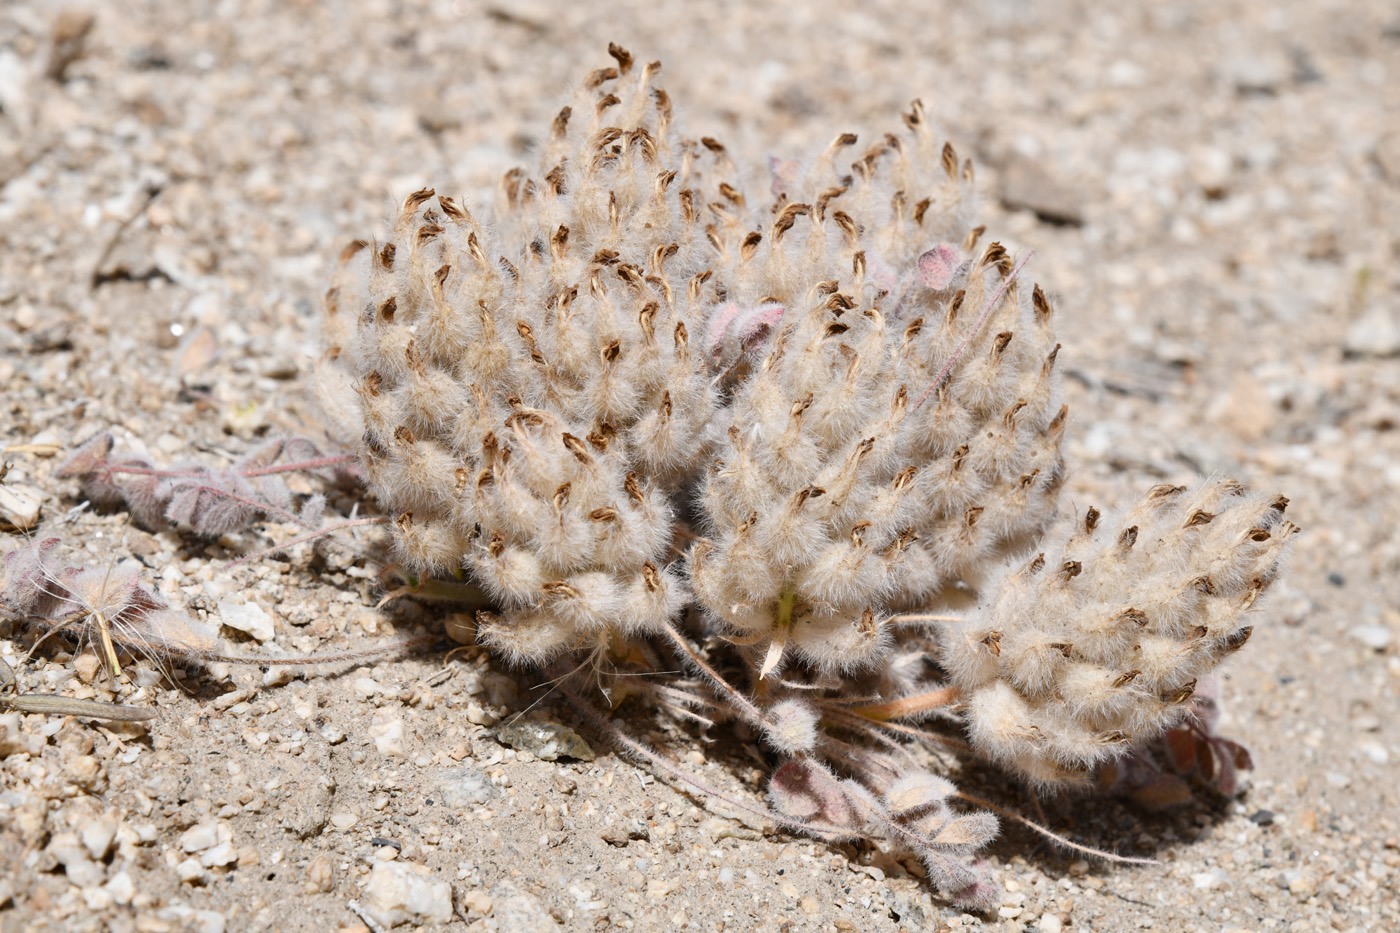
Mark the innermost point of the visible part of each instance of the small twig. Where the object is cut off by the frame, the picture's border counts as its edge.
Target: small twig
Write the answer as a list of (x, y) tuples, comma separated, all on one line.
[(441, 677), (109, 653), (313, 660), (152, 191), (46, 703), (68, 706), (41, 450), (441, 591)]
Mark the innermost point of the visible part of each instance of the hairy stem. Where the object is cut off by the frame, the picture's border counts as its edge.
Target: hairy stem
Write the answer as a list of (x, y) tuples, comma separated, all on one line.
[(910, 706), (1054, 836)]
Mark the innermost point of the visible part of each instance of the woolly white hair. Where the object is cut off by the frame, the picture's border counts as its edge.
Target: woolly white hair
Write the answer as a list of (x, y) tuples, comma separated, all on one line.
[(1077, 656)]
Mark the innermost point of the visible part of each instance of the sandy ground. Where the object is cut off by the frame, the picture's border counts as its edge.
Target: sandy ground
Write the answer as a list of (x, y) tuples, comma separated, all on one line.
[(1213, 189)]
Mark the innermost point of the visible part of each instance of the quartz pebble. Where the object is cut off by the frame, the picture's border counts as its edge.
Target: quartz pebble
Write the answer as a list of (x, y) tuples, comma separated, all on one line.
[(246, 617), (1208, 880), (190, 871), (344, 820), (547, 740), (19, 507), (1373, 636), (98, 836), (387, 732), (399, 892), (320, 875), (477, 901), (1375, 333), (14, 740), (200, 837), (121, 888), (231, 699)]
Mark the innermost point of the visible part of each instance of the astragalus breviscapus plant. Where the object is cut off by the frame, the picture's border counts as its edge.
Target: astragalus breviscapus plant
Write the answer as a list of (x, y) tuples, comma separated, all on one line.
[(643, 403)]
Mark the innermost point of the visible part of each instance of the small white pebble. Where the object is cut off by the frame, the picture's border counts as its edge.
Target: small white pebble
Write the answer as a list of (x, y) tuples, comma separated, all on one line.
[(344, 820), (231, 699), (189, 871), (246, 617), (387, 732), (1373, 636), (1374, 750), (1209, 880), (398, 893), (199, 837), (220, 855), (277, 677), (197, 921), (121, 888), (98, 835)]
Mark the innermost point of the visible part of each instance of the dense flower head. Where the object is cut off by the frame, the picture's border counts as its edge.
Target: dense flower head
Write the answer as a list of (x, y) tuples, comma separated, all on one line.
[(534, 392), (1099, 646)]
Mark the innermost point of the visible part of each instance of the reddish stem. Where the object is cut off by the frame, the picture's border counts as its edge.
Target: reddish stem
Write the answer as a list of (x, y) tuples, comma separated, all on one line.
[(260, 471), (303, 465), (264, 507), (976, 326)]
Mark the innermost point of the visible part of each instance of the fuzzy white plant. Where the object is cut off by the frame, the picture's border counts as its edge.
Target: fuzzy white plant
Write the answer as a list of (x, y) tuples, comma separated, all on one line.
[(532, 394), (840, 400), (1100, 646)]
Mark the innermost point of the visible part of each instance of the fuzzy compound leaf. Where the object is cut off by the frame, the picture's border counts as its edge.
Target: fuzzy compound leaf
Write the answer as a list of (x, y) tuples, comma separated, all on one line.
[(973, 831), (803, 790)]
